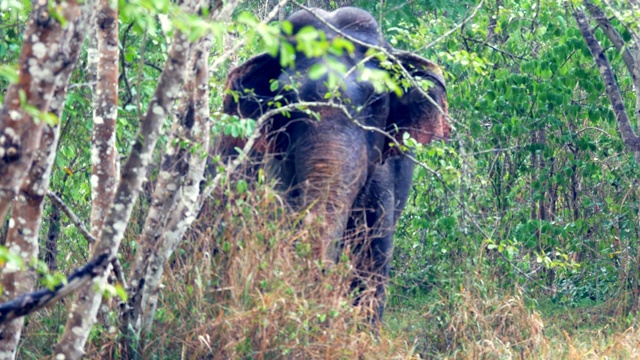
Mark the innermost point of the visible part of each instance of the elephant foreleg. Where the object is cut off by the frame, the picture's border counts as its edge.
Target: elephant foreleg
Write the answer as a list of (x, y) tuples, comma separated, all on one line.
[(372, 227)]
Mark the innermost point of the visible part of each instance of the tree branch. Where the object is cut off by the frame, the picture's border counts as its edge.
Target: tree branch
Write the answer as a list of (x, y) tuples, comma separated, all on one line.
[(629, 137), (28, 303), (614, 36), (59, 203)]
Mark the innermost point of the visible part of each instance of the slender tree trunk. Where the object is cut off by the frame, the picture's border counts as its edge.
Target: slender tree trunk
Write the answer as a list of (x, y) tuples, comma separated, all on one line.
[(282, 13), (493, 23), (631, 140), (84, 309), (183, 211), (636, 273), (22, 238), (45, 54), (173, 204), (534, 169), (3, 233), (542, 208), (630, 51), (51, 242), (104, 155), (26, 218), (50, 90)]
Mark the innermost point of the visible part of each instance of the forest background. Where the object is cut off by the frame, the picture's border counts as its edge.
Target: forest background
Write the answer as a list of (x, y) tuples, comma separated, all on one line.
[(521, 237)]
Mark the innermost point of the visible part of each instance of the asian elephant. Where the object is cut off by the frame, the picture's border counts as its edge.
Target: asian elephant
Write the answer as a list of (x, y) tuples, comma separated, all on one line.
[(339, 165)]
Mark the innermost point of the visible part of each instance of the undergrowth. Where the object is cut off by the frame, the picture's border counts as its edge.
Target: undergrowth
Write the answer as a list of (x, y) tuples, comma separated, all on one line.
[(249, 286), (245, 285)]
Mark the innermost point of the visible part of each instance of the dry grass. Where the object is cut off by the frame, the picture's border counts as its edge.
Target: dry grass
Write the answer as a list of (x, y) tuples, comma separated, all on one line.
[(472, 324), (245, 285), (262, 295)]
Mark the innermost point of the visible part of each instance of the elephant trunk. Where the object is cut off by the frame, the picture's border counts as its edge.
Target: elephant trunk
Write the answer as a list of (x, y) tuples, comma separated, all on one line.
[(331, 167)]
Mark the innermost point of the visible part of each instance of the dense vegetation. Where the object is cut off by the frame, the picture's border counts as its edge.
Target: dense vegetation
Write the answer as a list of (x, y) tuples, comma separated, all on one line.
[(520, 239)]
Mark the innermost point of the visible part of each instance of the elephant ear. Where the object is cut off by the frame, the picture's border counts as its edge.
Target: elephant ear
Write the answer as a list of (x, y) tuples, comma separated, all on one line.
[(413, 112), (247, 90), (246, 94)]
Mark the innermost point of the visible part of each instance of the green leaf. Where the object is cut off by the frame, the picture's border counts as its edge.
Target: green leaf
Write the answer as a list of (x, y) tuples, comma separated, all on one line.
[(274, 85), (287, 27), (317, 71), (9, 73)]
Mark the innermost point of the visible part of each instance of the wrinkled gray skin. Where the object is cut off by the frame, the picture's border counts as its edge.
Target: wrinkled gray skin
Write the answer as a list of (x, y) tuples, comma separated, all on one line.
[(350, 178)]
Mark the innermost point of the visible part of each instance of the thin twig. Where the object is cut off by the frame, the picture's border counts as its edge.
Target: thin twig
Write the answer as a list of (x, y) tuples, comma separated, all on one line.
[(495, 48), (224, 56), (592, 128), (153, 66), (455, 28), (60, 204)]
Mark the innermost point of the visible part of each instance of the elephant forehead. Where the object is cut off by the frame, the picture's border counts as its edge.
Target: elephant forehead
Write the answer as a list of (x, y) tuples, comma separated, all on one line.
[(354, 22)]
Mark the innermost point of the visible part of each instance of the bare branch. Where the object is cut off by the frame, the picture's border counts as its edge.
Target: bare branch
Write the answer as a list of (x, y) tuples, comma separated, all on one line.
[(28, 303), (614, 36), (455, 28), (60, 204), (57, 201), (629, 137)]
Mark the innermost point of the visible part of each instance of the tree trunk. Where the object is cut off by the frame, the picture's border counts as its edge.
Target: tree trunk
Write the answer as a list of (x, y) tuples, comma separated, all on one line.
[(630, 51), (84, 308), (26, 214), (183, 210), (45, 54), (104, 155), (631, 140), (173, 204), (51, 242), (22, 238)]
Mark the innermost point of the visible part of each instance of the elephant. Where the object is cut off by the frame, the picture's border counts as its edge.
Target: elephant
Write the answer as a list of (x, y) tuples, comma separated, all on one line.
[(342, 165)]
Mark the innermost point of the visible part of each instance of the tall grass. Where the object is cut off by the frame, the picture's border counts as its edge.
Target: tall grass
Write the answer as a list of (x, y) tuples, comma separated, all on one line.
[(246, 285)]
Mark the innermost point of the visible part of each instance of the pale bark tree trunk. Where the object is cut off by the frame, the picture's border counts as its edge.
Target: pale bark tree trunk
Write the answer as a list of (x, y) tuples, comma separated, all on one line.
[(282, 13), (182, 213), (26, 214), (84, 309), (46, 52), (173, 204), (104, 156), (22, 238), (630, 51), (632, 61)]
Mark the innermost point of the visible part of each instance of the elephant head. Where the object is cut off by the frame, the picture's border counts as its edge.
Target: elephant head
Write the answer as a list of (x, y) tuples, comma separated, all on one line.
[(326, 160)]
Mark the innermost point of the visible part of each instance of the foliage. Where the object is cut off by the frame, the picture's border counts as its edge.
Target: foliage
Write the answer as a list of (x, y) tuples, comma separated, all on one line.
[(546, 185), (526, 219)]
